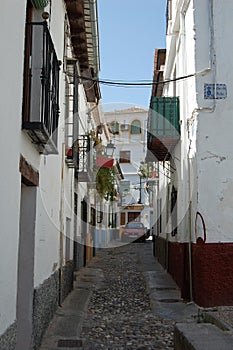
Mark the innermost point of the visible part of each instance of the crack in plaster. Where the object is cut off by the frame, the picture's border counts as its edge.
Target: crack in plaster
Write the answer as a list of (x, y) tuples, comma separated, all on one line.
[(213, 155)]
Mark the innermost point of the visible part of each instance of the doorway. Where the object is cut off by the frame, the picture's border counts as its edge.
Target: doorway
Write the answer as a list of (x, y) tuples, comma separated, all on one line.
[(25, 284)]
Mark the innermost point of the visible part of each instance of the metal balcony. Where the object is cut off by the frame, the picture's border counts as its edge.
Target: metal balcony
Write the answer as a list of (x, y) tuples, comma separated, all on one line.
[(163, 129), (41, 88), (71, 113), (84, 165)]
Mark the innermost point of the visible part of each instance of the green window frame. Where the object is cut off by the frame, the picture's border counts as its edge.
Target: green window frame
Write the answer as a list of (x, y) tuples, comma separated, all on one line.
[(115, 128), (135, 127)]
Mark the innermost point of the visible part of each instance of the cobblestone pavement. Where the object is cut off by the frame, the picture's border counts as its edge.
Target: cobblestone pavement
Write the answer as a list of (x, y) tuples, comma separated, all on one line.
[(119, 314)]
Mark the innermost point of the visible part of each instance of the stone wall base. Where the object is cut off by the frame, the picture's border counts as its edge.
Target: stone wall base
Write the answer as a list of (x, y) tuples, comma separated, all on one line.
[(46, 300), (8, 338), (212, 270)]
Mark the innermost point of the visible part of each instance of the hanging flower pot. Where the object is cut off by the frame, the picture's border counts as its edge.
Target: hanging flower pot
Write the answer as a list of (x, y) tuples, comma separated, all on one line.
[(39, 4), (69, 152)]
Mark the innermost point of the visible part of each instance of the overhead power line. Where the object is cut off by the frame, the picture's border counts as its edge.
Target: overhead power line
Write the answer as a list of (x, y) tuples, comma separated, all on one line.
[(140, 83)]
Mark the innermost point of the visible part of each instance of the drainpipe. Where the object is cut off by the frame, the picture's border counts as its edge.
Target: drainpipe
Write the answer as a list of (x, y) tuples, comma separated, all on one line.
[(211, 109), (184, 8), (212, 61), (212, 65), (167, 234), (190, 227), (183, 13), (61, 225), (212, 53)]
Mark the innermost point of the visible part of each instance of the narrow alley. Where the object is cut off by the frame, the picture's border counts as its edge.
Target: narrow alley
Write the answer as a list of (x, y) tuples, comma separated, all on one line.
[(122, 299), (118, 115)]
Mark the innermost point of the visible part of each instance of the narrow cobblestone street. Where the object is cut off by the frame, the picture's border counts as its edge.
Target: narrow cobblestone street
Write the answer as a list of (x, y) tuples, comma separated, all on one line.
[(123, 299), (119, 314)]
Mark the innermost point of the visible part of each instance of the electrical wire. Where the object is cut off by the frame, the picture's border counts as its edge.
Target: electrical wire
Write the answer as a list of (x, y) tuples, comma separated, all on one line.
[(140, 83)]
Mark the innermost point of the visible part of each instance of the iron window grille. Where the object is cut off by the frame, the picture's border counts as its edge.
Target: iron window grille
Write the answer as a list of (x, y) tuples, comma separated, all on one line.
[(41, 88), (84, 168), (71, 113)]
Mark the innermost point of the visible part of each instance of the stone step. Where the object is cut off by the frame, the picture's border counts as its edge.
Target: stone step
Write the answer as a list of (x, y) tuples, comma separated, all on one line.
[(201, 336)]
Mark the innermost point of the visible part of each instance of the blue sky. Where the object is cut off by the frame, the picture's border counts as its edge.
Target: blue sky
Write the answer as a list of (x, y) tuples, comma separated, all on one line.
[(129, 32)]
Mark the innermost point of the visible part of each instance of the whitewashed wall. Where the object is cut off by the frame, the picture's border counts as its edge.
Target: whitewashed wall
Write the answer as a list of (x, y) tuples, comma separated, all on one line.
[(198, 43), (215, 125), (55, 193), (179, 63), (11, 73)]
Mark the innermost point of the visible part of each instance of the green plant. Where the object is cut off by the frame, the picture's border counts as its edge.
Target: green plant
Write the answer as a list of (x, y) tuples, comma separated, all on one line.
[(105, 179), (143, 171), (146, 171)]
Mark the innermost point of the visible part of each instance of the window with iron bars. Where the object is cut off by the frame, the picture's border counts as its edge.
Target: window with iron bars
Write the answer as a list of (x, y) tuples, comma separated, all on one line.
[(41, 88), (71, 113)]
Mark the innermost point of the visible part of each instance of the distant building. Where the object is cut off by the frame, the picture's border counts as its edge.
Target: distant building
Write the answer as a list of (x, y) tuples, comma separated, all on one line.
[(127, 129)]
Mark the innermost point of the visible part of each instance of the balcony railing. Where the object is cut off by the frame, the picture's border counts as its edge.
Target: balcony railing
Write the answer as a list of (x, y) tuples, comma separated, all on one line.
[(71, 112), (84, 165), (41, 88), (163, 130)]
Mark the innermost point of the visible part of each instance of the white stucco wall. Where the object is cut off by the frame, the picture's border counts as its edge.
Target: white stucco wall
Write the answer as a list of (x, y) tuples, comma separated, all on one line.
[(52, 188), (11, 73), (48, 220), (51, 211), (198, 42), (214, 158), (180, 62)]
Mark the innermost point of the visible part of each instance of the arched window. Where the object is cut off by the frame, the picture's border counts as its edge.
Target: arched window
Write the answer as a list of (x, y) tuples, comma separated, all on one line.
[(115, 128), (135, 127)]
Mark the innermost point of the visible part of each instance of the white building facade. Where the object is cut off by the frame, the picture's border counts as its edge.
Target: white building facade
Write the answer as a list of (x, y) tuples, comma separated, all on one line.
[(194, 237), (128, 134), (48, 113)]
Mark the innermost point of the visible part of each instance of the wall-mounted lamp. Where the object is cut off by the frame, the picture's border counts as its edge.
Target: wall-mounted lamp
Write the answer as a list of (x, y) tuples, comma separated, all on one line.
[(110, 148)]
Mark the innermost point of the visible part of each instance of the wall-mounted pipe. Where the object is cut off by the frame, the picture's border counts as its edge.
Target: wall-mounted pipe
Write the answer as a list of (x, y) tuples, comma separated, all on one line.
[(190, 227), (61, 245)]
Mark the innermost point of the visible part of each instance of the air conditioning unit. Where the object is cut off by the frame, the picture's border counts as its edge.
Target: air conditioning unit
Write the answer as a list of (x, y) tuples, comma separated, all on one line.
[(124, 127)]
